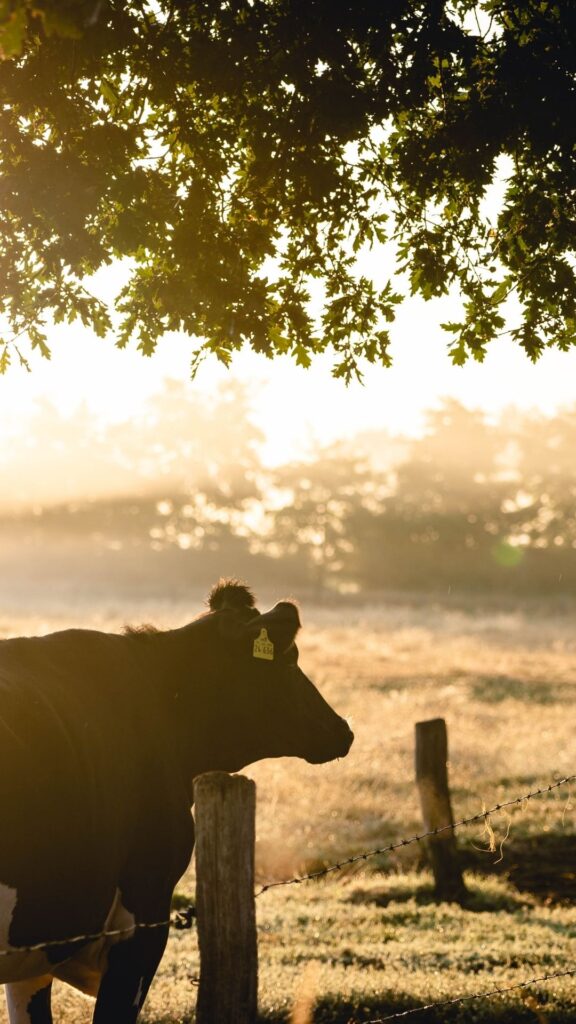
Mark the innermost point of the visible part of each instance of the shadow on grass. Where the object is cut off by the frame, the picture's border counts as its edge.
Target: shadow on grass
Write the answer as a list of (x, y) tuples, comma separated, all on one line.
[(477, 901), (543, 865), (492, 689), (497, 688), (333, 1011)]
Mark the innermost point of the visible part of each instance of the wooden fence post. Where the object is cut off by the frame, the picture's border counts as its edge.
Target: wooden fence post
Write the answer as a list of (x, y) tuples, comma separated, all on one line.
[(432, 781), (225, 812)]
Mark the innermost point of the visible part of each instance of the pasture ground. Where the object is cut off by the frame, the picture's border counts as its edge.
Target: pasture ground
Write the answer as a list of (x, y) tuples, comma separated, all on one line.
[(365, 944)]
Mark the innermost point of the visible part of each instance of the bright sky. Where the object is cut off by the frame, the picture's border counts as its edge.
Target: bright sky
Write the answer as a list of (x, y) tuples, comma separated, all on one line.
[(295, 406)]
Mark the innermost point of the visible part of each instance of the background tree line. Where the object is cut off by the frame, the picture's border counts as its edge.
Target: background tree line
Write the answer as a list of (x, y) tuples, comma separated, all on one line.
[(182, 492)]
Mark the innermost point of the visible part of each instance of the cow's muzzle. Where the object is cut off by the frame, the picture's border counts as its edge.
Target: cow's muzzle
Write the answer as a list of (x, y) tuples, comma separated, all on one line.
[(337, 744)]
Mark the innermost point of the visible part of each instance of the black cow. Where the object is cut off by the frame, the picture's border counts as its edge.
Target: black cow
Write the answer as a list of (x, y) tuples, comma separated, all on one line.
[(101, 736)]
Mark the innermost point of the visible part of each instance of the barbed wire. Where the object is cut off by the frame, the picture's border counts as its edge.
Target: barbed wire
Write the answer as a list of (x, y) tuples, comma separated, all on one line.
[(181, 920), (400, 843), (489, 994)]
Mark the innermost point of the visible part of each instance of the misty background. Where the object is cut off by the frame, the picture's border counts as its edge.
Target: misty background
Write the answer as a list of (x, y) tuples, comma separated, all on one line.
[(164, 502)]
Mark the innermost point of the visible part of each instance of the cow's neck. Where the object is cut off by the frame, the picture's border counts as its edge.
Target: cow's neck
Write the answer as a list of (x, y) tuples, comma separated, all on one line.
[(193, 698)]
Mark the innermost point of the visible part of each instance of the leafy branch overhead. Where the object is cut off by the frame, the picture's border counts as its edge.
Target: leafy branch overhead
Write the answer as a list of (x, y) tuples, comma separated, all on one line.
[(242, 157)]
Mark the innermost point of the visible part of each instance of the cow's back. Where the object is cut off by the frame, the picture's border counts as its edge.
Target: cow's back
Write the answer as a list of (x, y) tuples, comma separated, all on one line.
[(69, 720)]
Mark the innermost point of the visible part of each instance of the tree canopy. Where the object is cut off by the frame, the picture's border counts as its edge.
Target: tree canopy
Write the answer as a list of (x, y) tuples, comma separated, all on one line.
[(241, 157)]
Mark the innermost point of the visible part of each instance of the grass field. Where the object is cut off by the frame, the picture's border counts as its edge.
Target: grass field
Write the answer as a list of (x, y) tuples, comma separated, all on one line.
[(357, 947)]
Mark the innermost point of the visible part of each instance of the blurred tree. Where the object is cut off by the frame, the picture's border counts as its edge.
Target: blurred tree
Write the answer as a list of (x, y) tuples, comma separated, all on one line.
[(241, 157), (316, 518), (57, 457), (184, 469), (543, 505), (444, 522), (450, 466), (206, 441), (209, 448)]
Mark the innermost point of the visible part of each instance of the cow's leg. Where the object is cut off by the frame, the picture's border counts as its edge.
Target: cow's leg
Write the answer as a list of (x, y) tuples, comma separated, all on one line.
[(131, 967), (29, 1001)]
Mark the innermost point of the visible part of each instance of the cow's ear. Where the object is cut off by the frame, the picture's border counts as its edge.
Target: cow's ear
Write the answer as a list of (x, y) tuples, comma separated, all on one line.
[(277, 628)]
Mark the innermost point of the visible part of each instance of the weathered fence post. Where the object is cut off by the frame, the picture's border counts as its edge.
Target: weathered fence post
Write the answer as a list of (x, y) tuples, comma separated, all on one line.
[(225, 812), (432, 781)]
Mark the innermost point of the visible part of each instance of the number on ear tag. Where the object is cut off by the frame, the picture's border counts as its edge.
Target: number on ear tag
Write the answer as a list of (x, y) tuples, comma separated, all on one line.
[(263, 647)]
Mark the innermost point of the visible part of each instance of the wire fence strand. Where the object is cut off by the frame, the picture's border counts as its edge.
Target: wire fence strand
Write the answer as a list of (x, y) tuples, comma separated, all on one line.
[(400, 843), (487, 994), (182, 920)]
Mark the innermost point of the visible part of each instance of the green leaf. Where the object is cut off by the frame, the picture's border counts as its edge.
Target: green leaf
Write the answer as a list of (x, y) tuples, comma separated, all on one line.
[(109, 93), (13, 32), (459, 353), (302, 355), (501, 291)]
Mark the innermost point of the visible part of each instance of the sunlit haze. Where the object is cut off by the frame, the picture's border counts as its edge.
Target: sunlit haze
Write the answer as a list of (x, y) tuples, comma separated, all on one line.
[(294, 408)]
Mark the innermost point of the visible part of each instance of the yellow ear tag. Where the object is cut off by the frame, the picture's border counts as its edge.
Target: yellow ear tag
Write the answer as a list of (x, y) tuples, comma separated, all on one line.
[(263, 647)]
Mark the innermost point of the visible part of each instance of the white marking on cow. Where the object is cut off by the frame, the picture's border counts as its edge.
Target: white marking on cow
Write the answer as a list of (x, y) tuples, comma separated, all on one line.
[(19, 994), (16, 966), (138, 996), (8, 901), (84, 970)]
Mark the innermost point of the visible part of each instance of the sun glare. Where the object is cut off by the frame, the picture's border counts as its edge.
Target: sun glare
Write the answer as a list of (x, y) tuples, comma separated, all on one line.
[(294, 408)]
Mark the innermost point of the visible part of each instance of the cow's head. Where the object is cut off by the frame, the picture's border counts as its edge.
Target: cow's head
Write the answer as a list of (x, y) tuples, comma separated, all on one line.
[(264, 705)]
